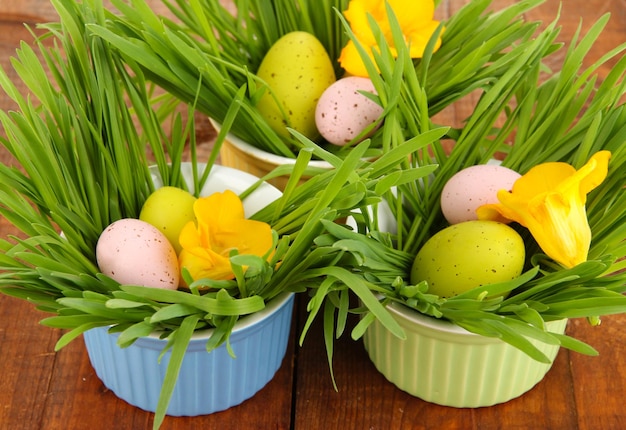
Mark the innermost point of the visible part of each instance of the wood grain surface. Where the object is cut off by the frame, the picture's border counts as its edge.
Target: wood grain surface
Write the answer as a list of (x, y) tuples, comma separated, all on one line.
[(43, 389)]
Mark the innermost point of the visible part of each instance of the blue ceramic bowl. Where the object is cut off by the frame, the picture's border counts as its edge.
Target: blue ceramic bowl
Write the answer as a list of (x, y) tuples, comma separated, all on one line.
[(208, 382)]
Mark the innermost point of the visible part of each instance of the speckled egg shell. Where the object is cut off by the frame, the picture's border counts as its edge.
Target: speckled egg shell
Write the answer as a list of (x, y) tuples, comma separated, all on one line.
[(134, 252), (298, 69), (467, 255), (342, 113), (472, 187)]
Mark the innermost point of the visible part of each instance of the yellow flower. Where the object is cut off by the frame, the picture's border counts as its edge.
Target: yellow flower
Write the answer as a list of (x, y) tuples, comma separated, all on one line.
[(221, 227), (550, 200), (415, 18)]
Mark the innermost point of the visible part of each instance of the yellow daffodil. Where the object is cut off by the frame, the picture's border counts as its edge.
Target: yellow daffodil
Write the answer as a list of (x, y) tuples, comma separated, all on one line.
[(221, 227), (550, 200), (415, 18)]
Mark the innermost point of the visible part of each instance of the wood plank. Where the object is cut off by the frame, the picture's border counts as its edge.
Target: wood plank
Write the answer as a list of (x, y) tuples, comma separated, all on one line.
[(596, 380), (365, 399), (27, 351), (37, 11), (28, 11), (75, 388)]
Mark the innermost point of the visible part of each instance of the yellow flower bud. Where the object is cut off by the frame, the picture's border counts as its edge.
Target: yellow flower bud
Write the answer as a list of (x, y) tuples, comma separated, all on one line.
[(221, 227), (550, 200), (415, 19)]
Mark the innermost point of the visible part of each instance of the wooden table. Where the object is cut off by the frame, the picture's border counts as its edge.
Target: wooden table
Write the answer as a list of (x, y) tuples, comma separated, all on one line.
[(41, 389)]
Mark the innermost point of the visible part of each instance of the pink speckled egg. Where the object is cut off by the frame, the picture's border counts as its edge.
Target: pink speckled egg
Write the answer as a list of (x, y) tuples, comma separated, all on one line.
[(473, 187), (342, 113), (134, 252)]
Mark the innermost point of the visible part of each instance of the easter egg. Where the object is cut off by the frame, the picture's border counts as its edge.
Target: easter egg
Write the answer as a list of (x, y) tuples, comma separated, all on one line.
[(343, 113), (468, 255), (133, 252), (473, 187), (297, 69), (169, 209)]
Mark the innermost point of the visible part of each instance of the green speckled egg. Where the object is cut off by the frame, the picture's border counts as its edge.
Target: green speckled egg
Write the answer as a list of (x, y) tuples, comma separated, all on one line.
[(468, 255), (298, 70)]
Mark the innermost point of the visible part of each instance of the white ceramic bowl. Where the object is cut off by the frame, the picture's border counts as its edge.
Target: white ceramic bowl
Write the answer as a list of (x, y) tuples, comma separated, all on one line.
[(222, 178), (445, 364), (244, 156)]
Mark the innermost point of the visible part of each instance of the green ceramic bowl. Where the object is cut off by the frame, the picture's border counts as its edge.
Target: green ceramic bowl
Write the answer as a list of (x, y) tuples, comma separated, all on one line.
[(445, 364)]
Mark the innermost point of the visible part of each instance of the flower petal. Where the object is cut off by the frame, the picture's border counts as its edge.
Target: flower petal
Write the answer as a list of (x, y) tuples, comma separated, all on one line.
[(356, 14), (414, 17), (541, 179), (247, 236), (219, 208), (419, 39), (189, 237), (351, 61), (206, 265), (592, 174), (220, 228), (559, 224)]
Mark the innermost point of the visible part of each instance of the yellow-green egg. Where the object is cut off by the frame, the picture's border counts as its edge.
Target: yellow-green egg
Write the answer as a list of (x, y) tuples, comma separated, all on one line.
[(298, 69), (169, 209), (468, 255)]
